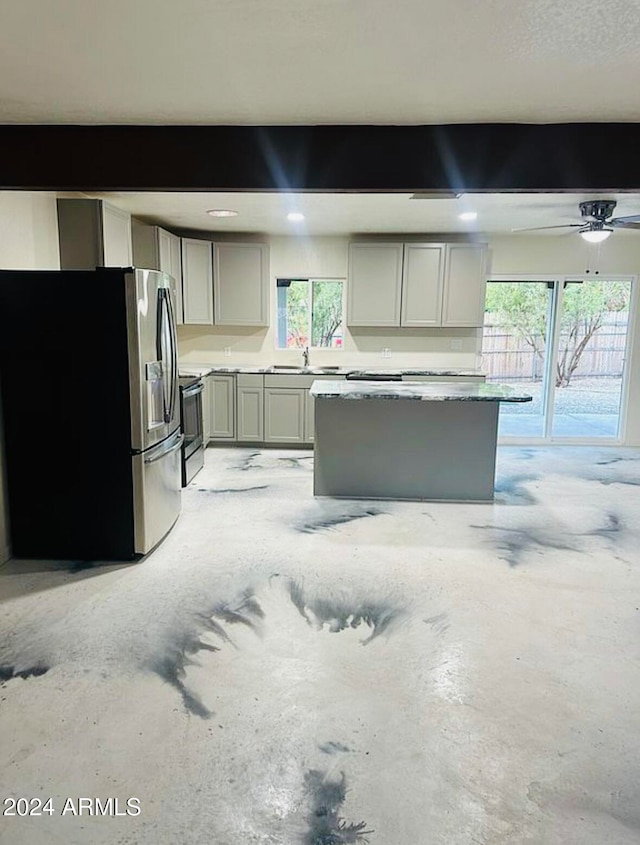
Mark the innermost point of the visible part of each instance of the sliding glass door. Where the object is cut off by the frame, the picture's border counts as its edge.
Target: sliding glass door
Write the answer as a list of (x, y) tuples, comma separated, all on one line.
[(563, 341)]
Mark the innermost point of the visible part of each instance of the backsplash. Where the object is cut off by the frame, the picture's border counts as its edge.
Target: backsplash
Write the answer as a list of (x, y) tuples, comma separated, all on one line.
[(362, 348)]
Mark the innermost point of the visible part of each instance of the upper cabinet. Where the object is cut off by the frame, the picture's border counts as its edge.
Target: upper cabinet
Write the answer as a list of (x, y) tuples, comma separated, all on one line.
[(374, 284), (465, 282), (225, 284), (197, 281), (156, 249), (422, 282), (240, 293), (416, 284), (93, 234)]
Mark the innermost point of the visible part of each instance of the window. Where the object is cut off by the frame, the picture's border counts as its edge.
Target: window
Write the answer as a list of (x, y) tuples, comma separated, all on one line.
[(309, 313)]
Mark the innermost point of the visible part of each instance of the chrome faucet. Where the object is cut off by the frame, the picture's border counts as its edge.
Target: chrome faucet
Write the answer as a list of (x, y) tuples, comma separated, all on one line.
[(305, 356)]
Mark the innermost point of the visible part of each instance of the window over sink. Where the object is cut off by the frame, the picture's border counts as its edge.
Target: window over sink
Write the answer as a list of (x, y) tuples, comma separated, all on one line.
[(309, 312)]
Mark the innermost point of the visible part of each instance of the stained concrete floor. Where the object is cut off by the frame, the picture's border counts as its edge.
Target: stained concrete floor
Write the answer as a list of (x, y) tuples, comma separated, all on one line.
[(285, 670)]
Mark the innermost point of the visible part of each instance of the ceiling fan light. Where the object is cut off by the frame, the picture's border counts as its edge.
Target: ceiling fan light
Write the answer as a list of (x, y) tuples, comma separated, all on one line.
[(596, 236)]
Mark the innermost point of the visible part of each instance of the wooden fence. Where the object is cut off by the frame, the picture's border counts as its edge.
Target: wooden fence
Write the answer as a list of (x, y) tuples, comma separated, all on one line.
[(506, 356)]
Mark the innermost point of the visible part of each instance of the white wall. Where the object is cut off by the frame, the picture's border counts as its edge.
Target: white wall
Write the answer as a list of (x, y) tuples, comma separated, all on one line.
[(28, 241)]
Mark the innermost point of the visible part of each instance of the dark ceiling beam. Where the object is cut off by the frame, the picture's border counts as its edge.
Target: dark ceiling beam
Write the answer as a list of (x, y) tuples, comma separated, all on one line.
[(465, 157)]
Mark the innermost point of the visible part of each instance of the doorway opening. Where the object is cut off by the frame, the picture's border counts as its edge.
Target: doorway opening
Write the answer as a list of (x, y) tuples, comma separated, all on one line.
[(564, 341)]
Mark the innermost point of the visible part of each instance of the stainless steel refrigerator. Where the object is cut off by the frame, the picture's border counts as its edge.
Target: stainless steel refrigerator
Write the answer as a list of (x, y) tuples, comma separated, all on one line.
[(91, 417)]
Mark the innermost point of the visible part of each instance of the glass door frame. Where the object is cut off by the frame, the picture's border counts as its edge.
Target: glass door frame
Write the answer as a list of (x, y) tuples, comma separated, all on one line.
[(559, 282)]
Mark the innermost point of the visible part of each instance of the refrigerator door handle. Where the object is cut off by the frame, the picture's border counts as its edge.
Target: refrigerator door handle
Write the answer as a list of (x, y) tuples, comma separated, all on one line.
[(164, 449), (163, 322), (174, 355)]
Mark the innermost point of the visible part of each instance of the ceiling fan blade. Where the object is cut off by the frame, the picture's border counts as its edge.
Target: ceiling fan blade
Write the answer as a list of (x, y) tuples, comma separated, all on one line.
[(620, 221), (540, 228), (624, 224)]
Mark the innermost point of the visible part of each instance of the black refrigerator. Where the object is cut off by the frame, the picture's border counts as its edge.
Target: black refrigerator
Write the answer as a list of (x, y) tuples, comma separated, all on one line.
[(90, 411)]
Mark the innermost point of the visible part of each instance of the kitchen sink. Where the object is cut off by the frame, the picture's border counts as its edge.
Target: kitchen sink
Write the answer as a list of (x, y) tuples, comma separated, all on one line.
[(289, 368)]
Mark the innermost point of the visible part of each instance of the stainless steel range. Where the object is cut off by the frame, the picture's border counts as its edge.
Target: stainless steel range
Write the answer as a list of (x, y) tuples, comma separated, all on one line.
[(191, 422)]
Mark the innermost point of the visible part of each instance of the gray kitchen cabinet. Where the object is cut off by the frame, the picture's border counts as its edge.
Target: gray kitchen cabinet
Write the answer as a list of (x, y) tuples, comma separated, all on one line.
[(250, 407), (284, 414), (464, 285), (416, 284), (240, 284), (206, 410), (222, 406), (156, 249), (374, 285), (197, 282), (309, 420), (93, 233), (422, 284)]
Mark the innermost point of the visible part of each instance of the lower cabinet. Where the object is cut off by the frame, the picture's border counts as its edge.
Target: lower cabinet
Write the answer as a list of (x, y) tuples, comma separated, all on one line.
[(256, 408), (284, 414), (206, 410), (250, 407), (309, 417), (220, 395)]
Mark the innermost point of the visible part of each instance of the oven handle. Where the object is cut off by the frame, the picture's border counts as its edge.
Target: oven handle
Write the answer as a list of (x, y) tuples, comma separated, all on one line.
[(193, 391)]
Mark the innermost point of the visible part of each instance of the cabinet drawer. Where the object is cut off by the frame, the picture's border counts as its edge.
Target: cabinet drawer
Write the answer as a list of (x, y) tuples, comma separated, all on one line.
[(250, 380), (288, 381)]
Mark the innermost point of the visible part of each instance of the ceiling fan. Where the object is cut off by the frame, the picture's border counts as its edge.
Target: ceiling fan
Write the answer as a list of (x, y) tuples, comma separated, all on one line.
[(598, 223)]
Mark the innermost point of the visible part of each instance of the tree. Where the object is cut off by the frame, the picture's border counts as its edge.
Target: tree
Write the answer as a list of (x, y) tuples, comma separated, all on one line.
[(298, 313), (327, 312), (523, 308)]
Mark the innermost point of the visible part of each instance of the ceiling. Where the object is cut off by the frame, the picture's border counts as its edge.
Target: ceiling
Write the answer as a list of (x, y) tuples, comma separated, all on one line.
[(359, 213), (319, 61)]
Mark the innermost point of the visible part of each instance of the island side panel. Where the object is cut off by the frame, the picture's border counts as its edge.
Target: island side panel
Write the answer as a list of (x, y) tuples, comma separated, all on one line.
[(405, 449)]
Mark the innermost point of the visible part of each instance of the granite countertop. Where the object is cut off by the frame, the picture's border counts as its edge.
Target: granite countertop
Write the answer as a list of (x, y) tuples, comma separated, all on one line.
[(430, 392), (205, 370)]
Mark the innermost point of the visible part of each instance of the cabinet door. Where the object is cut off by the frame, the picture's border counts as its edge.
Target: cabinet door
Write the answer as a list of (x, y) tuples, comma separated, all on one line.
[(374, 284), (284, 414), (197, 282), (240, 274), (250, 402), (309, 418), (207, 403), (222, 407), (422, 281), (464, 285), (171, 263), (116, 233)]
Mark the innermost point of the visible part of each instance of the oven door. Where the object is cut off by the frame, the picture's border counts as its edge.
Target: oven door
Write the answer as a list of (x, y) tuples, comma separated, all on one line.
[(191, 398)]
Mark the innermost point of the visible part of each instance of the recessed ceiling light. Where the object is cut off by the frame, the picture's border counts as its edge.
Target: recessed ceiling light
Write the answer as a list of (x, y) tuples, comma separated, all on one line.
[(295, 216), (222, 212), (468, 215)]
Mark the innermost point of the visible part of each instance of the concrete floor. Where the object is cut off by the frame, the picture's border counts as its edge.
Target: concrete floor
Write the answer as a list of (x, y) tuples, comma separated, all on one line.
[(286, 670)]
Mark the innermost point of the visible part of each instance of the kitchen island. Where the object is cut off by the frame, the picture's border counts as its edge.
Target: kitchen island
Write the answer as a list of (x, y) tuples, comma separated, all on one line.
[(407, 440)]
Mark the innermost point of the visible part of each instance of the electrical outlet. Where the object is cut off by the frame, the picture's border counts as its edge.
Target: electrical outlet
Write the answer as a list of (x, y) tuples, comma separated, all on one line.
[(456, 343), (227, 351), (386, 352)]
